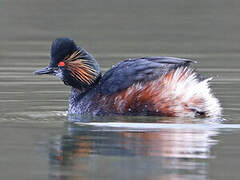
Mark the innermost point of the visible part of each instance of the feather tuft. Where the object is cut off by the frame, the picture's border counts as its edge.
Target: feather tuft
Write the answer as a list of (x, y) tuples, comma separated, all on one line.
[(80, 69)]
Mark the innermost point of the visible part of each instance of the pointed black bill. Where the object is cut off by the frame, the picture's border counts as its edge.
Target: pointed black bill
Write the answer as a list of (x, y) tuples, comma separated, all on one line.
[(46, 70)]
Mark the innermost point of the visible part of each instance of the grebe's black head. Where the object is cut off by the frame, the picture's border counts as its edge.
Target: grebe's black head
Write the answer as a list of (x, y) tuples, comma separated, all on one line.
[(72, 64)]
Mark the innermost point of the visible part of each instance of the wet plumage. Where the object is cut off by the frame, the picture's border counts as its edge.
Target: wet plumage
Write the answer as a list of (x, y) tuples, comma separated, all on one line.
[(164, 86)]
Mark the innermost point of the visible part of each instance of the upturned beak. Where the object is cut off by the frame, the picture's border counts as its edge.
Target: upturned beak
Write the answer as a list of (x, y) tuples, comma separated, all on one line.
[(46, 70)]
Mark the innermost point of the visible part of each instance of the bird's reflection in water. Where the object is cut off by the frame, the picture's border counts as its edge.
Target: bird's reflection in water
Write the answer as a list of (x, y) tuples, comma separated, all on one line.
[(93, 153)]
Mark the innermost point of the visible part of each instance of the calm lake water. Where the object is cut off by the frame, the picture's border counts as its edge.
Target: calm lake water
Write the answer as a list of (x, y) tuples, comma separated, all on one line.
[(37, 142)]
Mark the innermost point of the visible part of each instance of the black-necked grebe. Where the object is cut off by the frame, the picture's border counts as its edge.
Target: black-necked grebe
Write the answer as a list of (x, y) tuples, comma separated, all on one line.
[(163, 86)]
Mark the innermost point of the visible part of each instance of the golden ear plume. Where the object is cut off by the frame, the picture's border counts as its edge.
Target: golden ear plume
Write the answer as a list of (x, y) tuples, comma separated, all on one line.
[(81, 69)]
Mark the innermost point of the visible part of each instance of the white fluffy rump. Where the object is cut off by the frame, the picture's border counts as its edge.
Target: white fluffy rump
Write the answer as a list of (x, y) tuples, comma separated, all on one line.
[(186, 95)]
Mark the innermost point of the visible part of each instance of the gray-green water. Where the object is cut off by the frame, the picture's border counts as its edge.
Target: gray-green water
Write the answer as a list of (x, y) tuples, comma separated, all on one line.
[(38, 143)]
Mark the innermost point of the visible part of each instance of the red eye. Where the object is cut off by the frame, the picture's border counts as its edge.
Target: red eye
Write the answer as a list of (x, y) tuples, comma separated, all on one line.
[(61, 64)]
